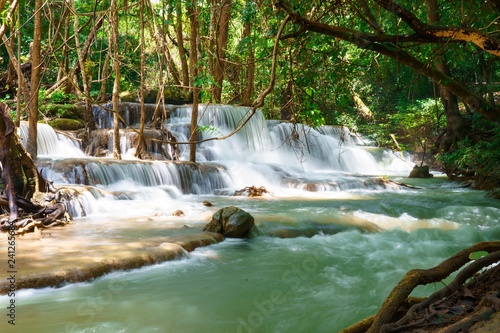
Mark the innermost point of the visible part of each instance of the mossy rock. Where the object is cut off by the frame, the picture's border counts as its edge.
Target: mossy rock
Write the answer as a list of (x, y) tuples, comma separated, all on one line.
[(70, 111), (172, 95), (129, 96), (65, 124)]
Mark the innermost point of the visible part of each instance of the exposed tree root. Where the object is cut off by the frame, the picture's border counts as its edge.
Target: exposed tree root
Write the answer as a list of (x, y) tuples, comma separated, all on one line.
[(32, 225), (452, 306), (43, 212), (252, 191)]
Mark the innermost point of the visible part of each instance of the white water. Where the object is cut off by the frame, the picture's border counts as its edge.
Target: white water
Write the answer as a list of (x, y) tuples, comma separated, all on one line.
[(355, 238)]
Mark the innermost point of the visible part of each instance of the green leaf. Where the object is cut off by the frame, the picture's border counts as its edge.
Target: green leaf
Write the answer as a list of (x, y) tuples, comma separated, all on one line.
[(478, 255)]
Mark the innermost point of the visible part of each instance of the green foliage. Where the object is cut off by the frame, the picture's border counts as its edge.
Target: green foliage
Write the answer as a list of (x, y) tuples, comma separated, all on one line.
[(54, 110), (481, 157), (56, 96), (415, 125), (214, 131)]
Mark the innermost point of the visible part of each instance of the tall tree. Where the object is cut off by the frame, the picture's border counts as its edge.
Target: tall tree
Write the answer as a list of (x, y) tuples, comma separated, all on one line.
[(83, 54), (455, 130), (397, 42), (180, 45), (116, 85), (141, 146), (222, 35), (250, 67), (36, 65), (192, 10)]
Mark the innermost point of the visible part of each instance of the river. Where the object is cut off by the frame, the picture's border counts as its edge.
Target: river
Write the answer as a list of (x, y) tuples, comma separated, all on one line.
[(332, 241)]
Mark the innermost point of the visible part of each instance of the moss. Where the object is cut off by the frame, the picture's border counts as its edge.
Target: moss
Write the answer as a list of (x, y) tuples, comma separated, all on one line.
[(71, 111), (66, 124), (173, 95)]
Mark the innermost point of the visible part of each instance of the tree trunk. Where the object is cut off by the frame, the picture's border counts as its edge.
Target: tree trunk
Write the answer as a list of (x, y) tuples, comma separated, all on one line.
[(180, 46), (140, 150), (104, 76), (193, 62), (36, 64), (69, 83), (250, 80), (22, 85), (19, 173), (20, 78), (64, 53), (116, 86), (164, 55), (222, 38), (454, 121), (82, 58)]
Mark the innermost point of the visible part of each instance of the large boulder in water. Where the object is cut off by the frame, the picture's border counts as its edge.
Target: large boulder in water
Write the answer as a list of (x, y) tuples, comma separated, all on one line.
[(231, 222), (420, 172)]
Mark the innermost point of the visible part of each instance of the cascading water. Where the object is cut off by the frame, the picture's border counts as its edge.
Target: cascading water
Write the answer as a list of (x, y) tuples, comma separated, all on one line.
[(353, 238), (51, 143)]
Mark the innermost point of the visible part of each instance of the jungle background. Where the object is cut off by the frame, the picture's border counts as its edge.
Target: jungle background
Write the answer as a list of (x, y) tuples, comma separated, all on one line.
[(421, 76)]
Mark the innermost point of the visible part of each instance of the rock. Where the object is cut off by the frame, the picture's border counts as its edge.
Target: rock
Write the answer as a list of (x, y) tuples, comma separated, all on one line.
[(66, 124), (178, 212), (420, 172), (207, 203), (231, 222)]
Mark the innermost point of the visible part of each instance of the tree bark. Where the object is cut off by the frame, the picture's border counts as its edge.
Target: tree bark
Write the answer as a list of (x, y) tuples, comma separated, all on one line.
[(22, 85), (455, 130), (250, 79), (68, 83), (180, 46), (417, 277), (222, 38), (19, 173), (192, 10), (116, 86), (104, 76), (140, 149), (36, 64), (83, 55)]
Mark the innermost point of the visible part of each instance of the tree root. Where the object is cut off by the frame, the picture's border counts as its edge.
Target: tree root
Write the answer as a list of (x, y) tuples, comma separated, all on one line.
[(42, 212), (388, 320), (34, 224), (252, 191)]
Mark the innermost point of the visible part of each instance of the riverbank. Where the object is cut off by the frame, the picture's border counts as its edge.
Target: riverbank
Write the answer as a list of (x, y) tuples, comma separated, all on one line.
[(61, 255)]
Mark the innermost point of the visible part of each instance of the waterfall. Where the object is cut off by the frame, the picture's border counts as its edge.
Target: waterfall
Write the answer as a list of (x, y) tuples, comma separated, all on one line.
[(50, 143), (289, 146), (283, 157), (104, 172), (130, 112)]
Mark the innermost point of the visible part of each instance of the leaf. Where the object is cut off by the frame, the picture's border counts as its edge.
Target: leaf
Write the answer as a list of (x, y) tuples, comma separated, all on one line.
[(478, 255)]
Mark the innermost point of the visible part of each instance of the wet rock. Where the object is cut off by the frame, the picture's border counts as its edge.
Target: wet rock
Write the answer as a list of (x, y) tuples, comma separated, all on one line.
[(420, 172), (231, 222), (178, 212), (207, 203)]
